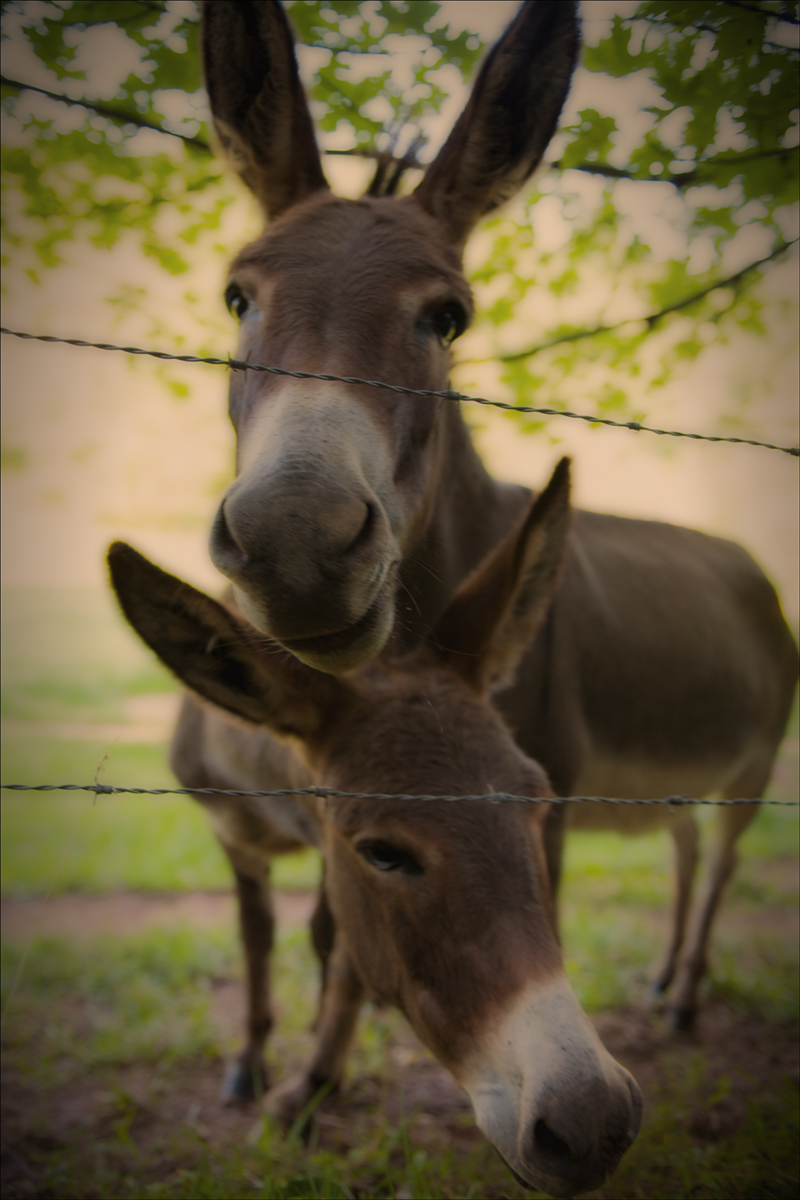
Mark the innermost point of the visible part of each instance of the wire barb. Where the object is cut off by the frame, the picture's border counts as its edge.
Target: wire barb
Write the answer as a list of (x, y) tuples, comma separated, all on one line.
[(105, 789), (237, 365)]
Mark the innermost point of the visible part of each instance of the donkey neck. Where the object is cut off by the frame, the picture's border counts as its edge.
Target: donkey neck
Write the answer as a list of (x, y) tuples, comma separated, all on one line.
[(469, 513)]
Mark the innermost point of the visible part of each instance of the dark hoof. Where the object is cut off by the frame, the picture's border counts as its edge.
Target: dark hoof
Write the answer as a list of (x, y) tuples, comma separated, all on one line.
[(655, 992), (244, 1083), (682, 1019)]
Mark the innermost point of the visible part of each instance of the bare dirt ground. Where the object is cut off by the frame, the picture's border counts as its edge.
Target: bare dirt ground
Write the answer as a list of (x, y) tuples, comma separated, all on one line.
[(171, 1119), (124, 913), (75, 914)]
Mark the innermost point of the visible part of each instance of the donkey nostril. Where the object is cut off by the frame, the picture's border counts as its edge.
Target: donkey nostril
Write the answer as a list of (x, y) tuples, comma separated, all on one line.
[(365, 531), (226, 554), (549, 1142)]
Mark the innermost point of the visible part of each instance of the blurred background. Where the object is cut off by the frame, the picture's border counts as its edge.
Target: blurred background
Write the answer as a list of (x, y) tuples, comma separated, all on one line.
[(656, 192), (648, 272)]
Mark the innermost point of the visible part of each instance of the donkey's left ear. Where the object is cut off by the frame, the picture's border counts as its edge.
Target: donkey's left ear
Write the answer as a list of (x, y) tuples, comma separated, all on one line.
[(495, 614)]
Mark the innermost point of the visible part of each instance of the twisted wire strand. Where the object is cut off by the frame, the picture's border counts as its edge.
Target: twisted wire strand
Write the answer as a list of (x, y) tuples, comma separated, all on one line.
[(238, 365), (104, 789)]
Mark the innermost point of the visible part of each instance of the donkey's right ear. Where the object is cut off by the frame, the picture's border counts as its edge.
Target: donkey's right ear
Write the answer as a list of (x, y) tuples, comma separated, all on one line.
[(258, 103), (512, 114), (214, 654), (496, 612)]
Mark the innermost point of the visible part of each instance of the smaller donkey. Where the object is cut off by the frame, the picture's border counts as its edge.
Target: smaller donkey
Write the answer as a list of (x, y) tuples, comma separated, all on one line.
[(442, 909)]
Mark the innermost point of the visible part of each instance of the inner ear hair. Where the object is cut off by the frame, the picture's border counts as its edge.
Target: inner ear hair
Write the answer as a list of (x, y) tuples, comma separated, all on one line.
[(496, 612), (220, 657), (512, 113), (258, 103), (200, 641)]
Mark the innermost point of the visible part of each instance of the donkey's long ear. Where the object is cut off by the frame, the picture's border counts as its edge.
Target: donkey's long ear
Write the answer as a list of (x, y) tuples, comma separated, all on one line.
[(215, 655), (494, 615), (511, 116), (258, 103)]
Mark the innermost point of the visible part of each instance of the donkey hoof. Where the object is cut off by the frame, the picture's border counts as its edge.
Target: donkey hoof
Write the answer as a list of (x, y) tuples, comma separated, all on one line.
[(292, 1100), (654, 996), (682, 1019), (244, 1082)]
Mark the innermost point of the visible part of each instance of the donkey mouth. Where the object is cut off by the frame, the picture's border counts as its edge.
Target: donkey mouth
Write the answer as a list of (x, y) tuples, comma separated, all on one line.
[(358, 642)]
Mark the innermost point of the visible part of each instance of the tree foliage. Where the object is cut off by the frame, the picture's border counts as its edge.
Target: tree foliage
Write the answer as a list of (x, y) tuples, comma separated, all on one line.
[(667, 197)]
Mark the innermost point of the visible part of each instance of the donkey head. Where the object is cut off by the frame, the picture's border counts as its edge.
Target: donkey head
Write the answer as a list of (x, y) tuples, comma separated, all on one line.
[(444, 908), (336, 482)]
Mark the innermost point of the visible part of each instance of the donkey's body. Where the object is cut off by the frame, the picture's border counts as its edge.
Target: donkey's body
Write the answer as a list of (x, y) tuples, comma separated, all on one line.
[(441, 909), (664, 665)]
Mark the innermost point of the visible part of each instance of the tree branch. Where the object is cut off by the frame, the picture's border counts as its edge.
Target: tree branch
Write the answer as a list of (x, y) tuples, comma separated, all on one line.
[(651, 320), (106, 110), (783, 15), (703, 169), (346, 49), (121, 114), (589, 168)]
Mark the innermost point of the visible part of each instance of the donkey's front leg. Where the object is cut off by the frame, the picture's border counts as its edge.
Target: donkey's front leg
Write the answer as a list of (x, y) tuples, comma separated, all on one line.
[(323, 934), (247, 1078), (341, 1002)]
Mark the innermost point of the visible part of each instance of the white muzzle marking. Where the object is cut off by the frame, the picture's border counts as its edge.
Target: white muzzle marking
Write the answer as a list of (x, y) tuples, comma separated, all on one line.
[(559, 1109)]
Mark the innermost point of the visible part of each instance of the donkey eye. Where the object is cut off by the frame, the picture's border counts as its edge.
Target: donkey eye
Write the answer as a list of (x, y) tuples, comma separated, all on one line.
[(236, 301), (383, 856), (448, 323)]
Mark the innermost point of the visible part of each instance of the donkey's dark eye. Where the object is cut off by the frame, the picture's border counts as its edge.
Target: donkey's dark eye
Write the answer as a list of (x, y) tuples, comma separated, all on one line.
[(383, 856), (236, 301), (448, 323)]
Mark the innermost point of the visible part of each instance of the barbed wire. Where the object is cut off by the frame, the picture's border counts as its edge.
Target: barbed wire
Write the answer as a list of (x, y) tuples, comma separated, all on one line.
[(105, 789), (449, 394)]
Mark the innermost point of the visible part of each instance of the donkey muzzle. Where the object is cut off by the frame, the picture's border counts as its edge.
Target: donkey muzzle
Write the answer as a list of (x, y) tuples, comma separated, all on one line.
[(558, 1108)]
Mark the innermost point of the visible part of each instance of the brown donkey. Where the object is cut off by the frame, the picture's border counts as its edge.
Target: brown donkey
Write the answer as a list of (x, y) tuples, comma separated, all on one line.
[(664, 665), (442, 909)]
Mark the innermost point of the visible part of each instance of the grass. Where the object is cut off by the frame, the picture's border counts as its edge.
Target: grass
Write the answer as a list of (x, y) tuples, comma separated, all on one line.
[(133, 1031), (61, 841), (114, 1049)]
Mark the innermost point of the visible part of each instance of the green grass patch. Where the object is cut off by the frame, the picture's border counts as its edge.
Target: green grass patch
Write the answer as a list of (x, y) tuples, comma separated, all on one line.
[(62, 841), (107, 843), (145, 999), (126, 1027), (694, 1144), (756, 974), (128, 1030)]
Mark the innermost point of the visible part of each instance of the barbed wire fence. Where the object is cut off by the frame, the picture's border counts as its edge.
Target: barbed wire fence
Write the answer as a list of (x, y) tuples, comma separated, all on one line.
[(323, 793), (459, 397), (101, 789)]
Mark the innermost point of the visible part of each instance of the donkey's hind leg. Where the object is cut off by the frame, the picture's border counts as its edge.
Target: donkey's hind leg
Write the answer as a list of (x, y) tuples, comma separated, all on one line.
[(685, 836), (730, 824), (247, 1078)]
